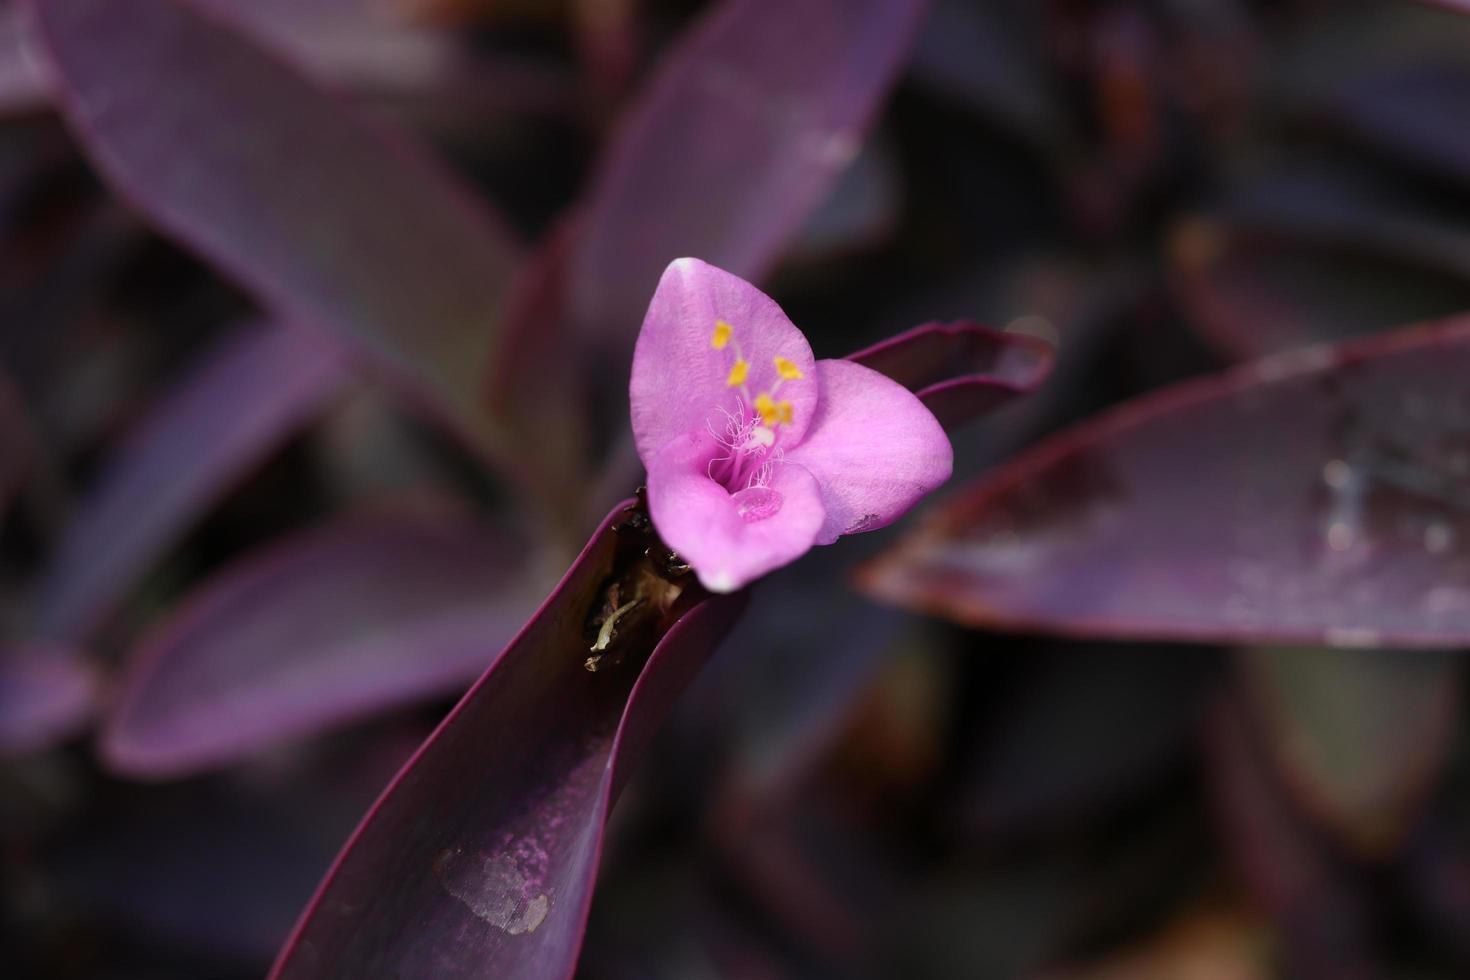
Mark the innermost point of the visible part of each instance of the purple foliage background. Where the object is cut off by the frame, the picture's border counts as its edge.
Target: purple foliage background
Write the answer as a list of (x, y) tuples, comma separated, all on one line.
[(315, 327)]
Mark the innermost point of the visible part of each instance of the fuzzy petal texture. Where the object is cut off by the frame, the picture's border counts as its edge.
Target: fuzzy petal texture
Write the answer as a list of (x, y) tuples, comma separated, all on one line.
[(703, 522), (680, 379), (873, 447)]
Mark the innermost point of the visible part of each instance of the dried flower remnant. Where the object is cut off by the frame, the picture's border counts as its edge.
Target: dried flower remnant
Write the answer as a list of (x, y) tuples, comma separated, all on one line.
[(756, 451)]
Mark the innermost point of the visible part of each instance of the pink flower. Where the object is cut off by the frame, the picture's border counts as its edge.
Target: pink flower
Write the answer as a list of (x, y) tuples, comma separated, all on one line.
[(754, 450)]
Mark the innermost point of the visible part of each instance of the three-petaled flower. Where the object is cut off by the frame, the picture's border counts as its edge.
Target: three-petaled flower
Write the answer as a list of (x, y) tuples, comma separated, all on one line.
[(756, 451)]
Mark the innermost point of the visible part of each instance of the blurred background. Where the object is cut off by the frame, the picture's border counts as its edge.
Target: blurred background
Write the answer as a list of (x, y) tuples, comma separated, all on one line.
[(219, 536)]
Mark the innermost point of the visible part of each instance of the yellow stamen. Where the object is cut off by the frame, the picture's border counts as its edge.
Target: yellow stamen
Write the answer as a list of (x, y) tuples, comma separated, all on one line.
[(738, 372), (787, 369), (771, 411), (722, 335)]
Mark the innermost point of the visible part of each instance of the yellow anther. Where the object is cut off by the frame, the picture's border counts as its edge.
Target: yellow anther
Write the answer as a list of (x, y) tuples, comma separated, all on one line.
[(722, 335), (787, 369), (771, 411), (738, 372)]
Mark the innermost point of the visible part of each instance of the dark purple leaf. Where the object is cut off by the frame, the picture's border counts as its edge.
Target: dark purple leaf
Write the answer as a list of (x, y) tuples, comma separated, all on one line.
[(1360, 735), (479, 859), (47, 693), (1304, 254), (746, 125), (325, 627), (247, 397), (358, 43), (1316, 498), (1414, 111), (961, 370), (532, 369), (862, 210), (335, 223), (1316, 903)]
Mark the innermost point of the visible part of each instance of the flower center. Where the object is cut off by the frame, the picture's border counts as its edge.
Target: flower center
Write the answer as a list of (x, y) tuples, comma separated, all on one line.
[(750, 431)]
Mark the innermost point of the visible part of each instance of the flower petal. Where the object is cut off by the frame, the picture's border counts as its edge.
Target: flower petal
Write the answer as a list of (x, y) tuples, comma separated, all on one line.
[(703, 522), (681, 378), (873, 447)]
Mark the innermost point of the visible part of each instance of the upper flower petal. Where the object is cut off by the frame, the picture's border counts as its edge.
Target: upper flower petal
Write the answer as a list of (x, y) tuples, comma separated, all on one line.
[(873, 447), (730, 539), (710, 342)]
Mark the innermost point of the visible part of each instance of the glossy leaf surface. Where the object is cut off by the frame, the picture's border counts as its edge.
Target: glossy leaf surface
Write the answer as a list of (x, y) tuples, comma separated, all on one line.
[(479, 859), (1317, 498), (961, 370)]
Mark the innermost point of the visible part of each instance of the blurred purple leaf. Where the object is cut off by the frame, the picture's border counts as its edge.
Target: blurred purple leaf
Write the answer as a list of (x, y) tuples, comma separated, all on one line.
[(479, 859), (861, 211), (22, 86), (961, 370), (532, 368), (47, 693), (325, 627), (359, 43), (1314, 498), (1414, 111), (335, 223), (1316, 903), (746, 125), (248, 396), (1360, 735), (1304, 254)]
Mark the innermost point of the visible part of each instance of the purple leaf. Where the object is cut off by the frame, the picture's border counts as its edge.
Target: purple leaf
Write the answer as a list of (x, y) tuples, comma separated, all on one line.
[(22, 87), (961, 370), (1413, 111), (479, 859), (47, 694), (747, 124), (1360, 735), (247, 397), (860, 213), (532, 368), (335, 223), (1306, 254), (1316, 903), (1317, 498), (358, 43), (325, 627)]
